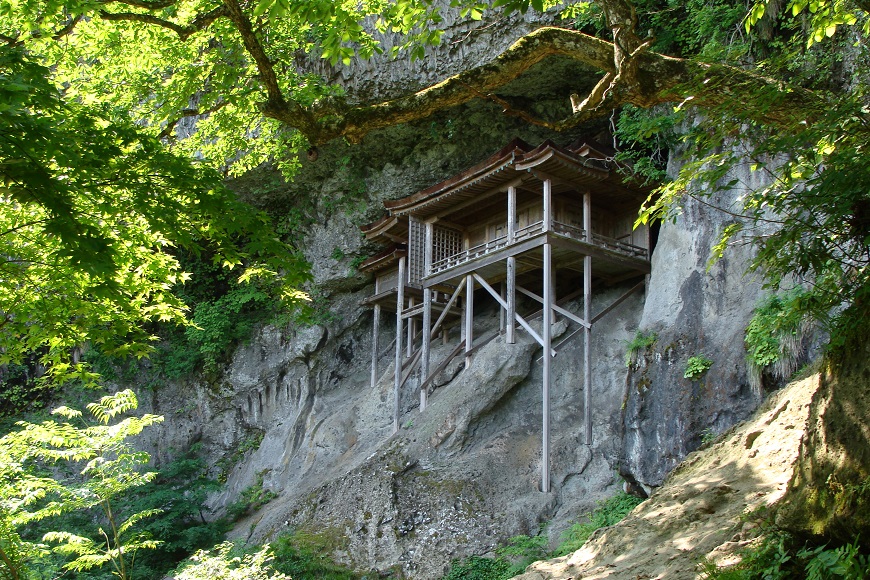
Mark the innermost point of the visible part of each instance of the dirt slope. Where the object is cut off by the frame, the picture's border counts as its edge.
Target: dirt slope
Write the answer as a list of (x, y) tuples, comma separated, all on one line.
[(697, 512)]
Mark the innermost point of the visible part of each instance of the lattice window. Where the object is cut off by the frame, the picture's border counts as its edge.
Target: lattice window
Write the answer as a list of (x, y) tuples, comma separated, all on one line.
[(445, 242), (416, 250)]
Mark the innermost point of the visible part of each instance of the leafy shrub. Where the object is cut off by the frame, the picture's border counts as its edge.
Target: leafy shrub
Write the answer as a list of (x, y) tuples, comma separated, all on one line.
[(478, 568), (608, 513), (511, 559), (696, 366), (305, 555), (776, 557), (222, 564), (179, 491), (776, 335), (251, 499)]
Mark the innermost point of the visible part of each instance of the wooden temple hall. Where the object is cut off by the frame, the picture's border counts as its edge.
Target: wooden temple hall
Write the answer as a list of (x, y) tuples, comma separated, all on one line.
[(512, 226)]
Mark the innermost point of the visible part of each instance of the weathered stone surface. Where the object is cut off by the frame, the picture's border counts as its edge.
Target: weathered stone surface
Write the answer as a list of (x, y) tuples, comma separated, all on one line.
[(694, 311), (699, 512)]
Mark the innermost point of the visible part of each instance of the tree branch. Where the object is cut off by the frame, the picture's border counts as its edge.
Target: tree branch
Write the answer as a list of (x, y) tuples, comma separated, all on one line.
[(185, 113), (643, 78), (276, 106), (66, 30), (200, 22)]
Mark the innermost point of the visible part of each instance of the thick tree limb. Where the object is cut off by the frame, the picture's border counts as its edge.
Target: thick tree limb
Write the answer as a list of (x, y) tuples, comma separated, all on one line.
[(638, 77), (200, 22), (276, 103)]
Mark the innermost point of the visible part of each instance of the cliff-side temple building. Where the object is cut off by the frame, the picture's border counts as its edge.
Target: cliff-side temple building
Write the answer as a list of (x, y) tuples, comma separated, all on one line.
[(511, 225)]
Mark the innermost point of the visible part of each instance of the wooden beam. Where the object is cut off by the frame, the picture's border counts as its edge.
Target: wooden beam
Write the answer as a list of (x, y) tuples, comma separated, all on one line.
[(427, 312), (511, 214), (587, 348), (483, 261), (376, 328), (556, 307), (411, 324), (469, 318), (478, 197), (444, 312), (511, 309), (519, 318), (546, 331), (588, 248), (443, 365), (618, 301), (397, 379), (548, 205)]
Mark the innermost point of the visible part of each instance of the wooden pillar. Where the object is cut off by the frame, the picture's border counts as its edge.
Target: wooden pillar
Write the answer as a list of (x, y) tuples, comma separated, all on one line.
[(376, 331), (546, 335), (469, 318), (400, 304), (510, 282), (510, 334), (427, 315), (548, 205), (511, 214), (587, 316), (410, 345), (501, 311), (587, 347)]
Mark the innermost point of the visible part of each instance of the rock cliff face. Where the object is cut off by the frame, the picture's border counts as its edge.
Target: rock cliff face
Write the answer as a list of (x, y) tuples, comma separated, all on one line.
[(694, 309), (294, 412)]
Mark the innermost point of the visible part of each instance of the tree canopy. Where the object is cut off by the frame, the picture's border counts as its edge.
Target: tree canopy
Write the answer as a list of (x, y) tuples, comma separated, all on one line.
[(238, 69), (93, 211)]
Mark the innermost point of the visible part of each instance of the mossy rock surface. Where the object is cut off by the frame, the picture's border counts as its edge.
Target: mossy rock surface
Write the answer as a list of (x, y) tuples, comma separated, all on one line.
[(829, 494)]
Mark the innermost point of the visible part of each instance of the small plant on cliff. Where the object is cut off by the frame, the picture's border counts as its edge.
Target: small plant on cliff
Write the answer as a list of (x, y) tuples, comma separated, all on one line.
[(640, 342), (251, 499), (696, 366), (776, 336)]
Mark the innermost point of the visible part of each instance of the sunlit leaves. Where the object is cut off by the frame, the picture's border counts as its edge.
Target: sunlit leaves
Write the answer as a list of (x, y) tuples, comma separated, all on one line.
[(107, 469), (825, 16), (92, 211)]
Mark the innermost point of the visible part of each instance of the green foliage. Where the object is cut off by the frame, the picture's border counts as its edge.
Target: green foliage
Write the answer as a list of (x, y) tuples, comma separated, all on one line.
[(608, 513), (810, 222), (302, 554), (92, 208), (521, 551), (478, 568), (645, 138), (708, 435), (640, 342), (776, 556), (106, 469), (511, 559), (696, 366), (179, 491), (776, 334), (250, 442), (223, 564), (825, 16)]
